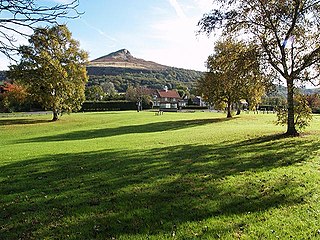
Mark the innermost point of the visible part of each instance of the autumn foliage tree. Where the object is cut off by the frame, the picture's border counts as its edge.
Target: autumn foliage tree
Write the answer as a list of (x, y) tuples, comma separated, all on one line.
[(314, 102), (13, 97), (287, 32), (233, 74), (53, 67), (139, 94)]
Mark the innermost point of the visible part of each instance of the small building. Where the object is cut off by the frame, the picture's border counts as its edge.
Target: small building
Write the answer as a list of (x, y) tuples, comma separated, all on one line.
[(183, 102), (199, 101), (166, 100)]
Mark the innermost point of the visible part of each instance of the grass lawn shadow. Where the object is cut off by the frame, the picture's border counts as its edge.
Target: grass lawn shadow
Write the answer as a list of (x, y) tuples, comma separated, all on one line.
[(109, 194), (143, 128), (24, 121)]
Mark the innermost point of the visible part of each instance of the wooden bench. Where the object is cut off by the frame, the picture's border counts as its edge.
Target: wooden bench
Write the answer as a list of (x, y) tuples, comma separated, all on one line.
[(158, 113)]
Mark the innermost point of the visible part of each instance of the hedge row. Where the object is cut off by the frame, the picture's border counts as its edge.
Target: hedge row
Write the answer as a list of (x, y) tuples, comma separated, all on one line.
[(91, 106), (195, 107), (316, 110)]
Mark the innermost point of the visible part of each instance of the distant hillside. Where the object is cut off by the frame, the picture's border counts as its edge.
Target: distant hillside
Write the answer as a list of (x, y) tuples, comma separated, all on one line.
[(311, 91), (124, 59), (281, 91), (122, 69)]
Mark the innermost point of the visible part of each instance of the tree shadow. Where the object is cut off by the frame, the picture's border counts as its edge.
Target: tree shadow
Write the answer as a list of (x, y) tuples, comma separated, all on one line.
[(24, 121), (143, 128), (108, 194), (268, 138)]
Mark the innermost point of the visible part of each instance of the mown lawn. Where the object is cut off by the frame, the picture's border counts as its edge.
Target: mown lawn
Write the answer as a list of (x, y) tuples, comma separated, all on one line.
[(129, 175)]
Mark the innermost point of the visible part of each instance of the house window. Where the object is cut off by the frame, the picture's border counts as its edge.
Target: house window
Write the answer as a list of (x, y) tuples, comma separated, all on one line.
[(174, 105)]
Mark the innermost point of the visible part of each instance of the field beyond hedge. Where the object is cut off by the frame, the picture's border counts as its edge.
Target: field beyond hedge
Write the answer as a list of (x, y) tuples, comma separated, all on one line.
[(129, 175)]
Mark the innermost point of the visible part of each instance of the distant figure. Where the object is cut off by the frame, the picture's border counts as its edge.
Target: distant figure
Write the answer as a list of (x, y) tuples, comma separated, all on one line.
[(139, 108)]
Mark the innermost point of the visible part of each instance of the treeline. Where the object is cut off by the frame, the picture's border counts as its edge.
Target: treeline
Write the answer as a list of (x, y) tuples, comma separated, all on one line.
[(121, 78), (272, 102)]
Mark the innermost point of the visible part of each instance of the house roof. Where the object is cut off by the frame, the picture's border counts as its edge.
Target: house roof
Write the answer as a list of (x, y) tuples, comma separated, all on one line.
[(168, 94)]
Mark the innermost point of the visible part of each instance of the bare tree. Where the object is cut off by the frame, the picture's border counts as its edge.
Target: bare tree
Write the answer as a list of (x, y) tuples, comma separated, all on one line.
[(19, 16)]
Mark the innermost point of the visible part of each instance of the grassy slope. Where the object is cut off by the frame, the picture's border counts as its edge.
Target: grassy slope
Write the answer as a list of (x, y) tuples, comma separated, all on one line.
[(129, 175)]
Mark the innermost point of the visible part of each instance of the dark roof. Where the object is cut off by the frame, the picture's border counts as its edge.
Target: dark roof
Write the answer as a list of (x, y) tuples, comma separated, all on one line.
[(168, 94)]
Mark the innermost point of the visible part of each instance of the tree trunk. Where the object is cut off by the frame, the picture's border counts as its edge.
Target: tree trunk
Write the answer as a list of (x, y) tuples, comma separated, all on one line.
[(291, 129), (238, 108), (229, 115), (55, 115)]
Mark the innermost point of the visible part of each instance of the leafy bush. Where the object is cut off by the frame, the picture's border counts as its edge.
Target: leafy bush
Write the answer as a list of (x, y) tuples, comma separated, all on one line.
[(194, 107), (302, 113), (14, 98)]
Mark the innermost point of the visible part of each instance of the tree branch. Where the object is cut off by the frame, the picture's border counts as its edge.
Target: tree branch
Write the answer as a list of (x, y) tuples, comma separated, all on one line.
[(28, 14)]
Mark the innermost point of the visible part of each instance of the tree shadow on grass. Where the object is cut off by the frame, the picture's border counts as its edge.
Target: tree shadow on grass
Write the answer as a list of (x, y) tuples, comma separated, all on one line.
[(24, 121), (109, 194), (143, 128)]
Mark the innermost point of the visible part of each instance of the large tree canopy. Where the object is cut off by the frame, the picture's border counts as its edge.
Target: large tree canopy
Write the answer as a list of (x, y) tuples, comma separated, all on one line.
[(17, 16), (234, 74), (54, 69), (288, 33)]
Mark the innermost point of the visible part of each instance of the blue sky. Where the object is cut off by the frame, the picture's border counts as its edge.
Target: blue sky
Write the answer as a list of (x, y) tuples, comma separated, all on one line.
[(163, 31), (159, 30)]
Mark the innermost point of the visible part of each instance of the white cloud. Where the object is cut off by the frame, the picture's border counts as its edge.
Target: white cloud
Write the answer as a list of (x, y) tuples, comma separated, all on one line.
[(99, 42), (101, 32), (180, 46), (178, 9), (63, 1), (204, 5)]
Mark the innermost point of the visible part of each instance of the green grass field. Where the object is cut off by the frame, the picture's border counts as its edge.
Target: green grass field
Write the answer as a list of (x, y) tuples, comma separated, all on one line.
[(129, 175)]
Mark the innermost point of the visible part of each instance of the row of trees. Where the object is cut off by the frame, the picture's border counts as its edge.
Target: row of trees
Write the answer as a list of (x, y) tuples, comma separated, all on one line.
[(287, 36), (121, 79), (313, 101)]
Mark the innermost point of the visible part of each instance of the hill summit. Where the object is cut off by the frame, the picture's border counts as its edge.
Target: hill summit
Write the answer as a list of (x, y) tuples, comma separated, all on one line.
[(123, 59), (122, 54), (122, 69)]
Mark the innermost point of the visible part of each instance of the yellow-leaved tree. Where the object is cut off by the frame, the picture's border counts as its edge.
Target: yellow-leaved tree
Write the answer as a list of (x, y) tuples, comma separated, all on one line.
[(53, 68), (233, 74)]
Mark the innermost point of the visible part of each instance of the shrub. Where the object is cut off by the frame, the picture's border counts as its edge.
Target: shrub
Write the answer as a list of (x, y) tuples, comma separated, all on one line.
[(302, 113)]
